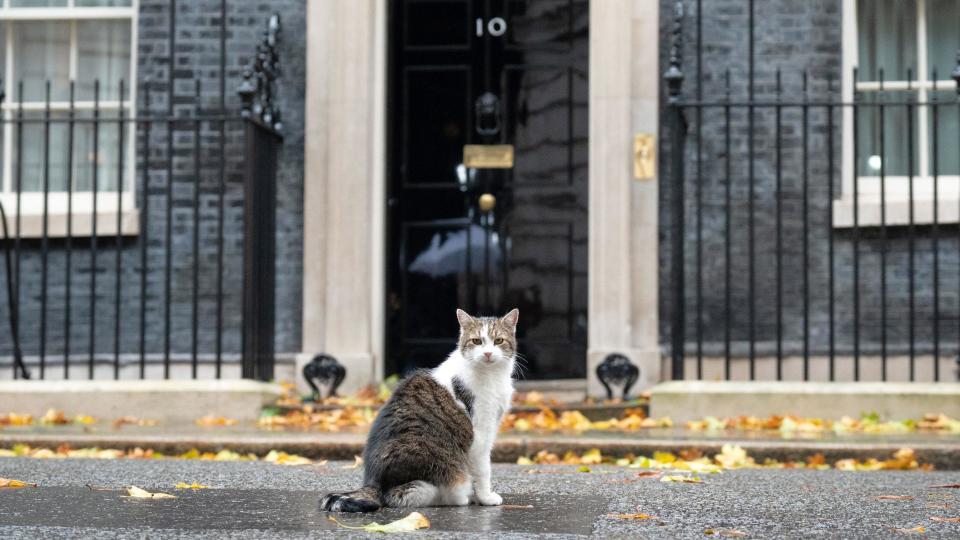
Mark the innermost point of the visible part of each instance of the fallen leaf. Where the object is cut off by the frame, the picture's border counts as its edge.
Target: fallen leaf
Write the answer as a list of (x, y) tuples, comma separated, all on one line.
[(649, 474), (138, 493), (591, 457), (894, 497), (184, 485), (215, 421), (414, 521), (55, 417), (583, 468), (729, 533), (943, 506), (733, 457), (14, 484), (682, 479), (632, 516), (945, 519), (85, 419), (14, 419), (664, 457), (948, 486), (357, 462), (132, 420), (283, 458), (914, 530)]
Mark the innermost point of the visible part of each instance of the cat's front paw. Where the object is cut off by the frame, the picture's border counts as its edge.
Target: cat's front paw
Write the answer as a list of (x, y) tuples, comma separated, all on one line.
[(489, 499)]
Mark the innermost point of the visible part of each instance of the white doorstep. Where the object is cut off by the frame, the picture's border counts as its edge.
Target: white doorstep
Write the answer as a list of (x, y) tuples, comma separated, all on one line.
[(694, 400), (164, 400)]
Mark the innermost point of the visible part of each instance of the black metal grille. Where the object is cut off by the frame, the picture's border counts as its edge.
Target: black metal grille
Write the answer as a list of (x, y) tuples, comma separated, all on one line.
[(768, 281), (203, 148)]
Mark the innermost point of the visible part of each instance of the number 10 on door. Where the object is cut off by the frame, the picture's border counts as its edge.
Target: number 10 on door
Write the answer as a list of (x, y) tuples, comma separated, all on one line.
[(495, 27)]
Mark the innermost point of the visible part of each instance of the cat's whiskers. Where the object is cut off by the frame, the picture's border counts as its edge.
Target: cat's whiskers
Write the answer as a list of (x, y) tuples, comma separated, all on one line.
[(520, 365)]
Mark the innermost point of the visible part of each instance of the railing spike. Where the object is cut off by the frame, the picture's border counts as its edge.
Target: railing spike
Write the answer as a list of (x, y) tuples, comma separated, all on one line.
[(674, 73), (258, 91)]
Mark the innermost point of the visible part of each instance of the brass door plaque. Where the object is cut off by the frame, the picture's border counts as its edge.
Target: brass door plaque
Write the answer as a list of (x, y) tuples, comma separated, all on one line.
[(644, 156), (488, 156)]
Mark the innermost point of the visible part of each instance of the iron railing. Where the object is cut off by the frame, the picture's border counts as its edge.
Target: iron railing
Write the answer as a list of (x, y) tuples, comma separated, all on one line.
[(768, 280), (153, 292)]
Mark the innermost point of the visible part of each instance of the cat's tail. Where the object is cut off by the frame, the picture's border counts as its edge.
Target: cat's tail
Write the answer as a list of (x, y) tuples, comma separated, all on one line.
[(365, 499)]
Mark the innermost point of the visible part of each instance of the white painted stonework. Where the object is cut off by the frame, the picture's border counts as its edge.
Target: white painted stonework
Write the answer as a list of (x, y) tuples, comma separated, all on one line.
[(345, 183), (165, 401), (624, 100), (344, 187), (693, 400)]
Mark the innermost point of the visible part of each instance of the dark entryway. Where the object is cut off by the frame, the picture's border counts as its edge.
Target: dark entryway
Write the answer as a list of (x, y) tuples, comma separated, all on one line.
[(488, 72)]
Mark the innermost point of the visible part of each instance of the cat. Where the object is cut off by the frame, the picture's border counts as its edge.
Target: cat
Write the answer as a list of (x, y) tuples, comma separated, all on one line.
[(430, 444)]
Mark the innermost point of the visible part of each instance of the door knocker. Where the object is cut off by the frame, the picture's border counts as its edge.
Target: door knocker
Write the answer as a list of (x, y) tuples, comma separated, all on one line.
[(487, 114)]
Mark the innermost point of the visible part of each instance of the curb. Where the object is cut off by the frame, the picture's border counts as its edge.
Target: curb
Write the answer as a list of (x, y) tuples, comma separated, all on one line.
[(943, 456)]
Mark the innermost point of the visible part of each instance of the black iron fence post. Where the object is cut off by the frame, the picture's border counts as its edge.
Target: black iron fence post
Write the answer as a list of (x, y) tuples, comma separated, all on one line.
[(677, 126), (259, 248), (261, 141)]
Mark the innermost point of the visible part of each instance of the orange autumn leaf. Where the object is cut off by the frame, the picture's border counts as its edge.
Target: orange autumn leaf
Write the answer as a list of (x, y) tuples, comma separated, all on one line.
[(632, 516), (945, 519), (14, 419), (215, 421), (6, 483), (55, 417)]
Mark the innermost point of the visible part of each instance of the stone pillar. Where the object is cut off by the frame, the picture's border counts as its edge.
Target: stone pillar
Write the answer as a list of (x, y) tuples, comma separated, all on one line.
[(624, 85), (343, 186)]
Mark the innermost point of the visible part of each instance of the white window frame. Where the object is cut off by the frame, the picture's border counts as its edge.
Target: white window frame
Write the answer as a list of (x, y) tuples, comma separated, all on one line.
[(897, 187), (31, 211)]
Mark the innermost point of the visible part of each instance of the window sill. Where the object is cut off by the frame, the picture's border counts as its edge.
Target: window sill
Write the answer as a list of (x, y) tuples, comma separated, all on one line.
[(81, 222), (897, 204)]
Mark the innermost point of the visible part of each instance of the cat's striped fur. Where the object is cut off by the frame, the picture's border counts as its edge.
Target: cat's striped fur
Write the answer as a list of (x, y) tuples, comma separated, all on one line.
[(431, 442)]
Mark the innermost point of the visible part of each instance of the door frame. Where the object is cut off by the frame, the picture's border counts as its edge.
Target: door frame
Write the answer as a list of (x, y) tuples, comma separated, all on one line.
[(345, 166)]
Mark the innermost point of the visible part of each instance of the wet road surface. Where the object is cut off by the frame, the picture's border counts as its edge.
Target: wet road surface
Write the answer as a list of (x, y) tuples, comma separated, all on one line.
[(262, 500)]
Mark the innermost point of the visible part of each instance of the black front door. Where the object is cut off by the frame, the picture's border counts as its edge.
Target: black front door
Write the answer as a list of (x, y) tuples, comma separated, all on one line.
[(488, 72)]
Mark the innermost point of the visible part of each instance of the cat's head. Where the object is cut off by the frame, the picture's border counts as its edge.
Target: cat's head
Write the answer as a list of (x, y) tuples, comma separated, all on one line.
[(488, 341)]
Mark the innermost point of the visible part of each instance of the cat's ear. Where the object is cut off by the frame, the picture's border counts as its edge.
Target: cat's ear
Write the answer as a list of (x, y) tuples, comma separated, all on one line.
[(510, 319), (464, 318)]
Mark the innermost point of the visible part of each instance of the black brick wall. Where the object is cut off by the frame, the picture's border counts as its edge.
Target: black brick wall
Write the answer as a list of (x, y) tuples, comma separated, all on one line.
[(197, 57), (795, 37)]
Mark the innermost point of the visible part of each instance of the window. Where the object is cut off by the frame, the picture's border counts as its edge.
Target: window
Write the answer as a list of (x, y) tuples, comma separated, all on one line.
[(54, 42), (909, 49)]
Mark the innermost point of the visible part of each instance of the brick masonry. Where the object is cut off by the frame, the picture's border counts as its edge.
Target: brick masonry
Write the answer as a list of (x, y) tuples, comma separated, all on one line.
[(795, 37), (196, 58)]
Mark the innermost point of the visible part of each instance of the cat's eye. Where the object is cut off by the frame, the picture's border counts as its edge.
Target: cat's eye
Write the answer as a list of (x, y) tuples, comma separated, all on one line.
[(476, 341), (498, 341)]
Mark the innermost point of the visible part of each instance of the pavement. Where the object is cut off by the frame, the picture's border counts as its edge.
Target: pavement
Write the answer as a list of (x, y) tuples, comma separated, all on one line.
[(942, 450), (262, 500)]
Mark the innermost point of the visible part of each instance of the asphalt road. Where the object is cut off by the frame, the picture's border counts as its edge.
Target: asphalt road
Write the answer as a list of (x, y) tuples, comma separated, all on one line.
[(261, 500)]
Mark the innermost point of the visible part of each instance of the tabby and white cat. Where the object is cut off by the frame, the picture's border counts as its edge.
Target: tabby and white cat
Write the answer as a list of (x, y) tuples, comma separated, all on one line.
[(430, 445)]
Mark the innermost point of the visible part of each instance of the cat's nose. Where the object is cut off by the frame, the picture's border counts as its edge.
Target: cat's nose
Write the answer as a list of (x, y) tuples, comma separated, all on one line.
[(488, 354)]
